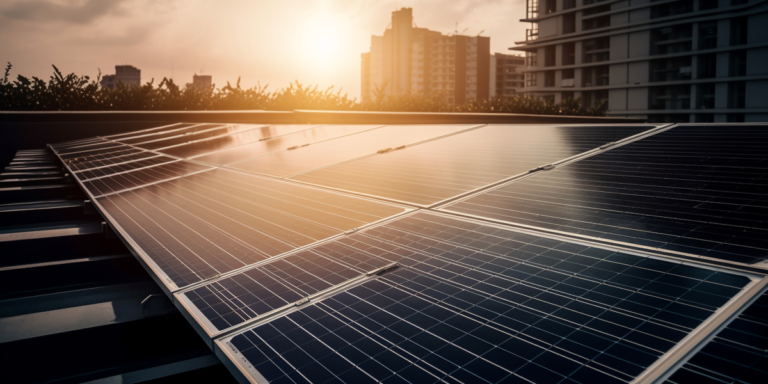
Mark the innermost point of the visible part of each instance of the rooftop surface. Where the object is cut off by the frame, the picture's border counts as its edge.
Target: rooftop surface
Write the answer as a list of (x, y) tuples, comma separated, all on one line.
[(621, 252)]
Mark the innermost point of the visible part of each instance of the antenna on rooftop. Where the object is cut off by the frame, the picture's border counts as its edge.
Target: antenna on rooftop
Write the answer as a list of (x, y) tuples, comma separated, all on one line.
[(456, 30), (465, 29), (479, 33)]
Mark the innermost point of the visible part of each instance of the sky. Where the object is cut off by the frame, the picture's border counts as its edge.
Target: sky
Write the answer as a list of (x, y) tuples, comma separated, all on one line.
[(266, 42)]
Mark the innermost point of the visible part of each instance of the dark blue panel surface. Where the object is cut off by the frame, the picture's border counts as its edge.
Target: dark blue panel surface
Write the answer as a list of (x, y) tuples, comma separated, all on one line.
[(506, 306), (427, 173), (738, 354), (698, 190), (252, 293)]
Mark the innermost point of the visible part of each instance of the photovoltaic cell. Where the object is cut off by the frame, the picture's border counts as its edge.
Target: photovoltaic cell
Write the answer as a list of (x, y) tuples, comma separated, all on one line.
[(125, 166), (210, 223), (252, 134), (192, 137), (301, 159), (738, 354), (148, 131), (81, 152), (700, 190), (166, 133), (514, 306), (109, 159), (140, 177), (255, 292), (282, 142), (431, 172)]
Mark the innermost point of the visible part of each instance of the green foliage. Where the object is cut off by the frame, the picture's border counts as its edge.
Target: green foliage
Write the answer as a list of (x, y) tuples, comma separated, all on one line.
[(80, 93)]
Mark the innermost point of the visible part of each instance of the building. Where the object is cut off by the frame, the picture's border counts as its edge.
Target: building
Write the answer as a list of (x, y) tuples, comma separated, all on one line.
[(407, 59), (126, 74), (670, 61), (200, 81), (507, 75)]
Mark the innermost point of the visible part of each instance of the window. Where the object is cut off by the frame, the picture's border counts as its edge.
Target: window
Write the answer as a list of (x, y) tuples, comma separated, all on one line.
[(597, 22), (598, 49), (673, 39), (738, 31), (549, 79), (737, 91), (707, 4), (549, 56), (705, 96), (708, 35), (550, 6), (707, 66), (530, 79), (595, 76), (569, 53), (670, 97), (737, 65), (673, 69), (676, 8), (569, 23)]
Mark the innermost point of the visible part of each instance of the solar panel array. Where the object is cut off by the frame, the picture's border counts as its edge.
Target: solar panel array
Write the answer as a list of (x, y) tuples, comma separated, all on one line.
[(453, 253)]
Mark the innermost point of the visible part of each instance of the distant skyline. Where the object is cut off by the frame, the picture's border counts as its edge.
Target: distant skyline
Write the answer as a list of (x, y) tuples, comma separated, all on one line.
[(269, 42)]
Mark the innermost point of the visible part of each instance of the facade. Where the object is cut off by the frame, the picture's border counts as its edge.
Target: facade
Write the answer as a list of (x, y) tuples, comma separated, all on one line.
[(408, 59), (200, 81), (125, 74), (507, 75), (667, 61)]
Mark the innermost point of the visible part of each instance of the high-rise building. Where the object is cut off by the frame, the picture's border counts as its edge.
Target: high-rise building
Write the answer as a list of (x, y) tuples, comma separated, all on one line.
[(200, 81), (507, 75), (408, 59), (125, 74), (667, 61)]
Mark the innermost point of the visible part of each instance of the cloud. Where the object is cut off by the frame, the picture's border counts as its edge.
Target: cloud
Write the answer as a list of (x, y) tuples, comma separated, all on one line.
[(46, 10)]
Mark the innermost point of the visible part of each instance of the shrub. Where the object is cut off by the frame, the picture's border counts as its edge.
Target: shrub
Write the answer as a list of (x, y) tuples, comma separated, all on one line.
[(80, 93)]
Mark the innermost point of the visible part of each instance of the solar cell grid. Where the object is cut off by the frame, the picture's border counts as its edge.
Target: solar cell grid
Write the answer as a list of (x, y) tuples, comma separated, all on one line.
[(252, 135), (437, 170), (110, 160), (279, 143), (140, 177), (77, 147), (162, 128), (255, 292), (300, 159), (195, 136), (125, 166), (451, 313), (695, 190), (167, 133), (737, 354), (214, 222), (99, 149)]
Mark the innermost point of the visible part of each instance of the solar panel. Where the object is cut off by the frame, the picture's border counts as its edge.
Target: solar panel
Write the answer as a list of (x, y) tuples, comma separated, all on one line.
[(191, 137), (125, 166), (214, 222), (140, 177), (428, 173), (300, 158), (279, 143), (105, 160), (141, 132), (587, 274), (260, 291), (494, 311), (166, 133), (252, 135), (737, 354), (693, 190), (89, 149)]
